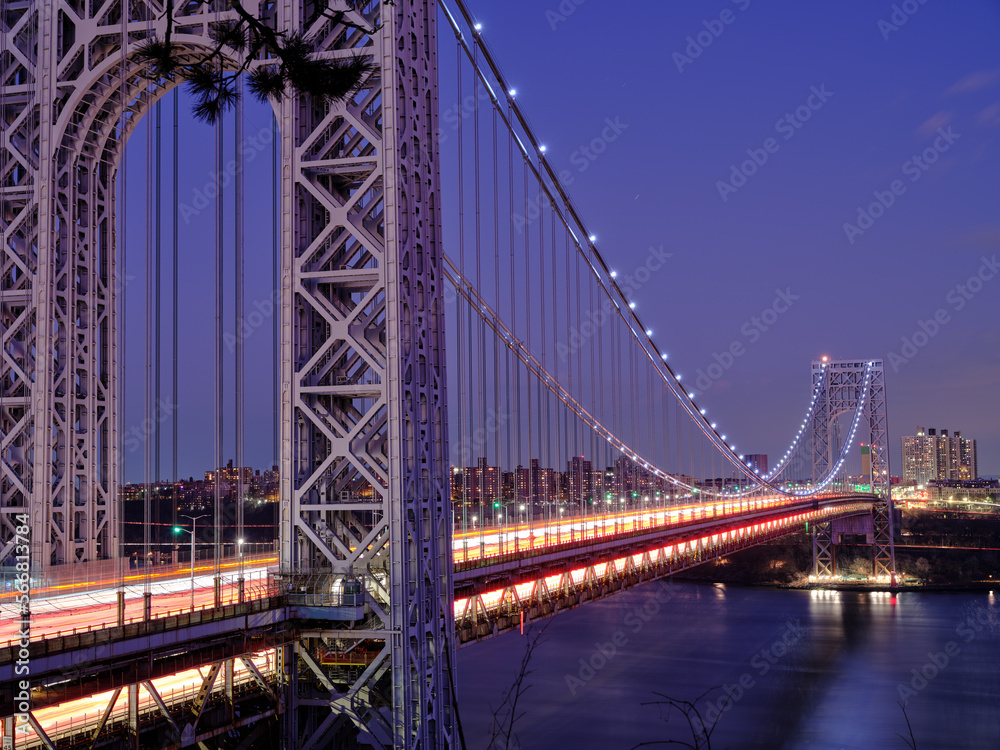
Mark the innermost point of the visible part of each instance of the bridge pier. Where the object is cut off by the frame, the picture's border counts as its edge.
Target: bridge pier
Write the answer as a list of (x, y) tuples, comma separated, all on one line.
[(824, 550), (133, 715)]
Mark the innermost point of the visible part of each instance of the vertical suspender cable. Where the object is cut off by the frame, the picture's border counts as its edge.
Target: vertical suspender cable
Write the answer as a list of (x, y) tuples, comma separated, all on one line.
[(512, 457), (174, 418), (514, 405), (219, 374), (120, 287), (147, 443), (276, 318), (480, 410), (459, 303), (544, 440), (496, 486), (554, 463), (596, 371), (240, 351), (157, 404)]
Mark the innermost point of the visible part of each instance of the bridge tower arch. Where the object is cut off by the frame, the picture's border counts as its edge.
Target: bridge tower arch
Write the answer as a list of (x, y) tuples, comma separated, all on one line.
[(365, 519), (846, 385)]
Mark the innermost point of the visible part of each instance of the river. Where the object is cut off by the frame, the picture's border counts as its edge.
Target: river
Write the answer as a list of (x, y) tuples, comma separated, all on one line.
[(804, 669)]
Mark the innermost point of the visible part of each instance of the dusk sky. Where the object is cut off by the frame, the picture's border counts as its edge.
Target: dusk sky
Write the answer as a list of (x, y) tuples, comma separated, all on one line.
[(840, 105), (890, 93)]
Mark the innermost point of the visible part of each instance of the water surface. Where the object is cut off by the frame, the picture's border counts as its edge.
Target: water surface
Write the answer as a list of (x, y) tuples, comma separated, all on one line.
[(805, 669)]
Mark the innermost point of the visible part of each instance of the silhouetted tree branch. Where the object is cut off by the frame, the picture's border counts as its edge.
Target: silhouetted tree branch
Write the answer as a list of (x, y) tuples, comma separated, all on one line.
[(285, 60), (912, 742), (701, 732), (505, 716)]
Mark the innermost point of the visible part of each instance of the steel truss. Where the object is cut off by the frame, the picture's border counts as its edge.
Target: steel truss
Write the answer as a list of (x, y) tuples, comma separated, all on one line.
[(843, 386), (223, 703), (494, 606), (363, 443)]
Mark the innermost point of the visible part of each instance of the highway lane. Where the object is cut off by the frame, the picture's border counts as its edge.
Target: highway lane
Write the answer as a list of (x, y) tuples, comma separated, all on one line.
[(97, 609), (60, 612), (75, 715), (476, 544)]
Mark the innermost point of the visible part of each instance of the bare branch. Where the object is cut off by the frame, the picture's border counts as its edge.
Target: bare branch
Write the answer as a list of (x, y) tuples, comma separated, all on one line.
[(912, 742), (506, 716), (701, 733)]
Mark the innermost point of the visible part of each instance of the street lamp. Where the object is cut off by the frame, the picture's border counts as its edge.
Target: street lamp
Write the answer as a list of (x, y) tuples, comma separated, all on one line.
[(239, 557), (194, 526)]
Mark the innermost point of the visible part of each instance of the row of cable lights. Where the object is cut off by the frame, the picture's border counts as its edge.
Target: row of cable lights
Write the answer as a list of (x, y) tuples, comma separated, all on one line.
[(711, 426), (850, 440), (708, 428)]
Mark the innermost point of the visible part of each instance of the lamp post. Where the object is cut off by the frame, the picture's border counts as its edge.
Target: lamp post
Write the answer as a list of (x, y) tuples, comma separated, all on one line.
[(194, 526), (239, 556)]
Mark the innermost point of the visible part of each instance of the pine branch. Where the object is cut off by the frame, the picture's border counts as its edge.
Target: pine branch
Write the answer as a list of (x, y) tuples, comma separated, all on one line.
[(294, 67)]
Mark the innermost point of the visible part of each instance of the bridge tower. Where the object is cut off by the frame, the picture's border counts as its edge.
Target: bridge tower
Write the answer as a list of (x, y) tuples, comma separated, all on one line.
[(365, 513), (844, 386)]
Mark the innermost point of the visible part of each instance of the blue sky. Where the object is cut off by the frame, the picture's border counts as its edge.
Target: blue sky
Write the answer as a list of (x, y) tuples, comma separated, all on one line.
[(893, 89), (822, 109)]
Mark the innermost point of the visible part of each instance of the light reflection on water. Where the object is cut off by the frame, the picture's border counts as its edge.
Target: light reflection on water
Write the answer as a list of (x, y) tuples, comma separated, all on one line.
[(807, 669)]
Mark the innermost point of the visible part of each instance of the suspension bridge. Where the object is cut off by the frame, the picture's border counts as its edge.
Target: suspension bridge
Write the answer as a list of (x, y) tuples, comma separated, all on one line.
[(448, 335)]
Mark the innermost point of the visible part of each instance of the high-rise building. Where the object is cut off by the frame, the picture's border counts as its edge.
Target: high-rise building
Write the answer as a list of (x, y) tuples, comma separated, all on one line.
[(934, 454), (580, 473), (757, 462)]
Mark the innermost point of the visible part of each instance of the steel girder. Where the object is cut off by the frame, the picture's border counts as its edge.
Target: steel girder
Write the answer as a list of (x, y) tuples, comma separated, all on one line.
[(364, 495), (362, 381), (492, 605), (843, 392), (824, 551)]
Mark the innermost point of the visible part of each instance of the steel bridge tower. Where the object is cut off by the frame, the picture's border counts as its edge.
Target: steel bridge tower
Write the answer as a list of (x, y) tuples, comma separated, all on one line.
[(365, 526), (844, 386)]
